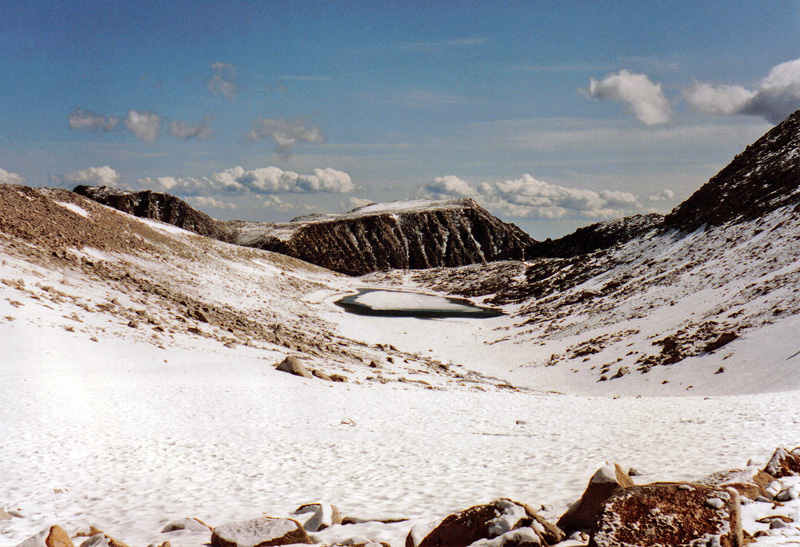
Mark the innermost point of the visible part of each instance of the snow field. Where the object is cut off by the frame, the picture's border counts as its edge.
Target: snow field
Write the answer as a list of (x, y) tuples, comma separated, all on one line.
[(116, 437)]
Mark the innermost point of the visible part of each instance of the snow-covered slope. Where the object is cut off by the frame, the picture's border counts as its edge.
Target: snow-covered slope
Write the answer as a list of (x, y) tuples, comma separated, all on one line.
[(138, 386), (711, 311)]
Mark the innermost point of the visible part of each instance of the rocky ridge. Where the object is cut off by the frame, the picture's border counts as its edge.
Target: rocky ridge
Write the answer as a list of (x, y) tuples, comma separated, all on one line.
[(401, 235), (158, 206)]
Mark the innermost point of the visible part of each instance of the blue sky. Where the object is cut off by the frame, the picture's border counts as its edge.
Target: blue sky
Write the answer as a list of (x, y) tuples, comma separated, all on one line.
[(553, 115)]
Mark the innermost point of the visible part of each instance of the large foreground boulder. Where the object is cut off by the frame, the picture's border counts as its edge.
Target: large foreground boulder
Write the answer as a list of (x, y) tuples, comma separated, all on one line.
[(260, 532), (487, 522), (54, 536), (582, 515), (673, 514)]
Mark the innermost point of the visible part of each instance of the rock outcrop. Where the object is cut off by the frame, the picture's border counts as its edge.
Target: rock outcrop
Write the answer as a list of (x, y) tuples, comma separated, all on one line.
[(159, 206), (679, 515), (400, 235)]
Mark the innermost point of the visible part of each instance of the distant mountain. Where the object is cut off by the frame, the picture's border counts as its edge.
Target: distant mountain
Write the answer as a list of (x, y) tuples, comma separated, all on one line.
[(395, 235)]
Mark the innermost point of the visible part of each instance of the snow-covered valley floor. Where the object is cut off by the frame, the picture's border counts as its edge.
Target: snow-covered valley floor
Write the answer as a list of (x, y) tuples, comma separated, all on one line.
[(128, 437), (127, 420)]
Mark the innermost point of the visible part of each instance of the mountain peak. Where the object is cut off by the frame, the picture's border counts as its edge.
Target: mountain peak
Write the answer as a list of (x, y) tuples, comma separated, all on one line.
[(765, 177)]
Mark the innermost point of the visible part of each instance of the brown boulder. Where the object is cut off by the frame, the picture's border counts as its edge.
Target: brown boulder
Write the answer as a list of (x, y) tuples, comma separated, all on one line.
[(259, 532), (54, 536), (582, 515), (784, 463), (674, 514), (748, 482), (485, 522), (292, 365)]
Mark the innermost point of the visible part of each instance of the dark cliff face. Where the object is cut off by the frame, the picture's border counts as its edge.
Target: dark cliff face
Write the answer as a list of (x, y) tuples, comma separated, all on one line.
[(764, 177), (458, 233), (159, 206)]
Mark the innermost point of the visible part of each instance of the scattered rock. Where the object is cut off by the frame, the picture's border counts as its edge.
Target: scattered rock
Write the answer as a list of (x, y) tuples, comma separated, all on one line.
[(620, 373), (292, 365), (521, 537), (191, 524), (54, 536), (100, 539), (582, 515), (723, 339), (670, 514), (321, 375), (317, 516), (259, 532), (338, 378), (784, 463), (789, 493), (749, 482), (486, 522)]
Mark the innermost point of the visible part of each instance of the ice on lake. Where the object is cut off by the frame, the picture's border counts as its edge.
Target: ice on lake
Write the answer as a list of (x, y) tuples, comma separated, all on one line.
[(406, 303)]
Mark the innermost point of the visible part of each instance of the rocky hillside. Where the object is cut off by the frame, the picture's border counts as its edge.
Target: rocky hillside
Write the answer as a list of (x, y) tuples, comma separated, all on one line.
[(159, 206), (761, 179), (399, 235), (709, 303), (112, 276), (599, 236)]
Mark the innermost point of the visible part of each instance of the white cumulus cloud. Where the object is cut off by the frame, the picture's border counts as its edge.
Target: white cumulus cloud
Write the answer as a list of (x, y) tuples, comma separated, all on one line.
[(775, 97), (449, 186), (89, 121), (527, 197), (721, 99), (7, 177), (643, 98), (93, 176), (285, 133), (144, 125), (223, 82), (663, 195), (275, 203), (263, 180), (211, 203)]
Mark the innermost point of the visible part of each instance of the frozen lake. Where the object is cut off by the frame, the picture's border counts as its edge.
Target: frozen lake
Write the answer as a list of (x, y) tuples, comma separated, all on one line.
[(412, 304)]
